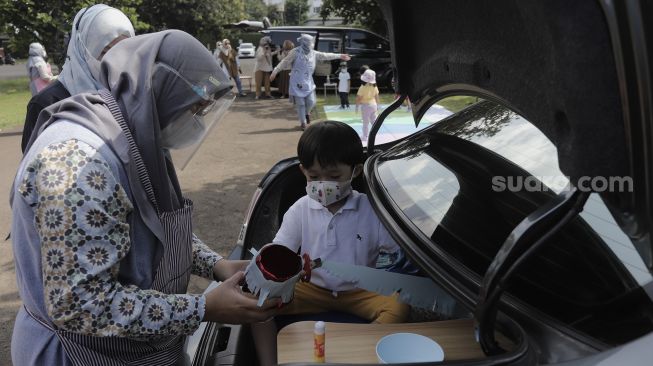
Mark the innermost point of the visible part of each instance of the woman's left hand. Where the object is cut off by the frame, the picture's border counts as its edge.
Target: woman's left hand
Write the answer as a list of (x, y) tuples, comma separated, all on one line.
[(225, 268), (345, 57)]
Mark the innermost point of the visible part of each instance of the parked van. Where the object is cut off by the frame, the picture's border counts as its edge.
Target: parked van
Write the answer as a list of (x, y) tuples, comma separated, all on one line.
[(364, 47)]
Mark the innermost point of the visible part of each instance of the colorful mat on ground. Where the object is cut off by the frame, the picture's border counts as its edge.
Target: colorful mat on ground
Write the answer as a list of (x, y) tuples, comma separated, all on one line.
[(399, 123)]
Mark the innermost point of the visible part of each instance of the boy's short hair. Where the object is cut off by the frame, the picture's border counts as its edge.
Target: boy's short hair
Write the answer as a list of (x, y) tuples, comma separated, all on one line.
[(331, 142)]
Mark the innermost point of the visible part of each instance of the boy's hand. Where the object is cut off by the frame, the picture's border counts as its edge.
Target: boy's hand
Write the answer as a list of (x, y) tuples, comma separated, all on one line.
[(272, 77), (229, 304), (225, 268)]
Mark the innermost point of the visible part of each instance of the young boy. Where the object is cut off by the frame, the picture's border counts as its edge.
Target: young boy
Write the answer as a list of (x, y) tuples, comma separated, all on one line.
[(344, 85), (335, 223)]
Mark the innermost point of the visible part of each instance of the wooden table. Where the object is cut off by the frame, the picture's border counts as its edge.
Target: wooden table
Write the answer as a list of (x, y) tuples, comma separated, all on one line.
[(356, 343)]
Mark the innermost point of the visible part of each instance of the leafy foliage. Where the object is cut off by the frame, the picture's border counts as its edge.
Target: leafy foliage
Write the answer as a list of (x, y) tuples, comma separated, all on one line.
[(276, 17), (204, 19), (363, 13), (255, 10), (49, 22), (296, 12)]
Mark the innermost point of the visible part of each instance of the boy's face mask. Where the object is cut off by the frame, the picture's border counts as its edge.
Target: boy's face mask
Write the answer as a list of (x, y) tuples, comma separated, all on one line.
[(327, 192)]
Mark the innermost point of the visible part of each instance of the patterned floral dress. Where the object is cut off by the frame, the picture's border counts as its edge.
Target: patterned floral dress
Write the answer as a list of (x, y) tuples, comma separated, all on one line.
[(81, 216)]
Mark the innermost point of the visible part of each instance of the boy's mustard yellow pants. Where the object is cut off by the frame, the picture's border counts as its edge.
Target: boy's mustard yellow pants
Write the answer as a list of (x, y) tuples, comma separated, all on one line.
[(365, 304)]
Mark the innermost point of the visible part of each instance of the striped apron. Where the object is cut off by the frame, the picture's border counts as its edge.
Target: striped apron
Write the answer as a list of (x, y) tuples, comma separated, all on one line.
[(172, 277)]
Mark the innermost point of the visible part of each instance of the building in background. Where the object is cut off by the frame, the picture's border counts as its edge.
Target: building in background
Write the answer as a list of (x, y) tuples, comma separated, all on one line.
[(314, 8)]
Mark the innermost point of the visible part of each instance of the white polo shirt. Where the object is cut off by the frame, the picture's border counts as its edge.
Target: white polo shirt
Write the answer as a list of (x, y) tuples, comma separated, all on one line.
[(343, 82), (353, 235)]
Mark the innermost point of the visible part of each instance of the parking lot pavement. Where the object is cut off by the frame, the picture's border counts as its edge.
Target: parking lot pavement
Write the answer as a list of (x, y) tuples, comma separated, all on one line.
[(18, 70), (220, 179)]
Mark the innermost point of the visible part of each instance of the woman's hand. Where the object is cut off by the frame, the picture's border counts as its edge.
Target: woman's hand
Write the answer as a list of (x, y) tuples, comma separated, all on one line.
[(225, 268), (272, 77), (345, 57), (228, 304)]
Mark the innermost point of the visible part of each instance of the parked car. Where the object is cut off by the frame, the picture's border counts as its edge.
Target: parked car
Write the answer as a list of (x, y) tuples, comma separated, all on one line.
[(559, 268), (246, 50), (365, 48)]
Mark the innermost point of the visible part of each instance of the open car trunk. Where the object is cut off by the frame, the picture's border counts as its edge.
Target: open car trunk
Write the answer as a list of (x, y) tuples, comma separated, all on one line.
[(578, 70)]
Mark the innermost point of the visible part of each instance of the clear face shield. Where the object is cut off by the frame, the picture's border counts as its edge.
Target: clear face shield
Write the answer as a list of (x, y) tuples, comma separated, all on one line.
[(184, 135)]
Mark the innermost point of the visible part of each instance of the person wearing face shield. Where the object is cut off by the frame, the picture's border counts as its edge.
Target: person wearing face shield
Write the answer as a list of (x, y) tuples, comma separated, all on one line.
[(102, 235), (302, 61), (95, 30)]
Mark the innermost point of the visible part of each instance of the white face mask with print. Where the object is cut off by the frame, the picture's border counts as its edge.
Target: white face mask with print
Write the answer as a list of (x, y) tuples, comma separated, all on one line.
[(327, 192)]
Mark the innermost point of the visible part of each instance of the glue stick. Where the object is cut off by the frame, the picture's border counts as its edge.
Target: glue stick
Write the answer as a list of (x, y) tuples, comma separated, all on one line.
[(318, 342)]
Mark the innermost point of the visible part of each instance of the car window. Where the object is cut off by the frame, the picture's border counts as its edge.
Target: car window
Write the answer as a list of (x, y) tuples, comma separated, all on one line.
[(328, 45), (364, 40), (443, 183)]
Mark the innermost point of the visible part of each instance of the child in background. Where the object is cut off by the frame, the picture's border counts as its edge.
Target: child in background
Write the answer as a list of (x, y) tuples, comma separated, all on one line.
[(368, 98), (335, 223), (344, 85)]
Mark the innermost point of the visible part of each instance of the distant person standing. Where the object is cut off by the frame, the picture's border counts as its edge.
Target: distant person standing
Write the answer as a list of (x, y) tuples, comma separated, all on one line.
[(263, 66), (284, 75), (95, 30), (344, 85), (368, 98), (217, 53), (229, 58), (39, 70), (302, 86)]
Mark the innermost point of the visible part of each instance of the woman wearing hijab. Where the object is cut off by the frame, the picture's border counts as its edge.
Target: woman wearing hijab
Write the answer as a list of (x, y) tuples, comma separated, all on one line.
[(229, 58), (38, 69), (302, 87), (95, 30), (102, 236), (284, 75), (263, 66)]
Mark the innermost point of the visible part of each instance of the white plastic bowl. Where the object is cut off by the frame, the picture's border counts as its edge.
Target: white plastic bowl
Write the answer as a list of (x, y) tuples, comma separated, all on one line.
[(408, 347)]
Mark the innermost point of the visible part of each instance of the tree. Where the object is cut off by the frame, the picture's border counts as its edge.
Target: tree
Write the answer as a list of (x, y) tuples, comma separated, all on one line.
[(295, 12), (275, 16), (364, 13), (255, 10), (48, 22), (203, 19)]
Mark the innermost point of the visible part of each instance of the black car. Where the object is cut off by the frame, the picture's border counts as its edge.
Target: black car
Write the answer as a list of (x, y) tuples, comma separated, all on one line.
[(364, 47), (533, 208)]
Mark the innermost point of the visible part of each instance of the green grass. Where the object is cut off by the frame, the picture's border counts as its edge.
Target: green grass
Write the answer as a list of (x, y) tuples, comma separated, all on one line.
[(14, 96), (453, 104)]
